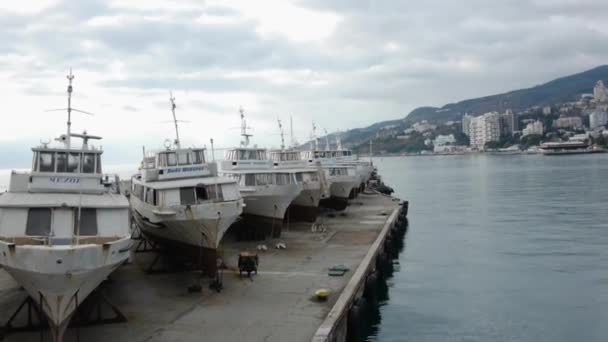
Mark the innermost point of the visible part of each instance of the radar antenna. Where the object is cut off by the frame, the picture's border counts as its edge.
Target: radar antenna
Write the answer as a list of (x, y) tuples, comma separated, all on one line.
[(244, 127), (282, 134)]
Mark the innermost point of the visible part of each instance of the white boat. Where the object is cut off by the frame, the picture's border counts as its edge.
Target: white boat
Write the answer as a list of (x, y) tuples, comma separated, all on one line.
[(179, 201), (342, 177), (315, 185), (267, 192), (568, 147), (63, 226)]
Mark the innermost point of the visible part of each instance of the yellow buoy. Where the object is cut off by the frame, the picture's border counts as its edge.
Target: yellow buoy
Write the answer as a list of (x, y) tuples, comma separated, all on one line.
[(322, 294)]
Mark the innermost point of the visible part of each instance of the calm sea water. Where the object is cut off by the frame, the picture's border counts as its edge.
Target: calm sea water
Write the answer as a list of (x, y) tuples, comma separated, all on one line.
[(509, 248)]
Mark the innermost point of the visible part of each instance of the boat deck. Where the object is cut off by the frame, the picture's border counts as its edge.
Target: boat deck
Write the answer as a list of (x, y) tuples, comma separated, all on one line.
[(275, 305)]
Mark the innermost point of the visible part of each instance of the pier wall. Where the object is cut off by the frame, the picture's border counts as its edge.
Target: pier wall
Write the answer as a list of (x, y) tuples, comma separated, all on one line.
[(335, 326)]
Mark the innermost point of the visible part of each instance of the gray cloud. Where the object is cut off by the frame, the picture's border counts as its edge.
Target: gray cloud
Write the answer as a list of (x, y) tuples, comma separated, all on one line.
[(383, 59)]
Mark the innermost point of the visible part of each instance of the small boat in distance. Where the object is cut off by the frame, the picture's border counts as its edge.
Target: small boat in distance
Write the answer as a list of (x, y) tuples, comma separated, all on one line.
[(568, 147), (64, 226), (180, 202)]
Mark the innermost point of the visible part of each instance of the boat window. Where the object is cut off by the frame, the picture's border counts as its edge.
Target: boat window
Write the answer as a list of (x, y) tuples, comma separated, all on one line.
[(215, 192), (250, 179), (88, 162), (162, 159), (182, 158), (88, 222), (283, 178), (299, 177), (261, 155), (139, 191), (187, 196), (73, 162), (62, 162), (47, 162), (35, 162), (38, 222), (171, 159), (201, 194), (244, 155), (98, 163), (314, 177), (195, 157), (150, 196), (263, 179)]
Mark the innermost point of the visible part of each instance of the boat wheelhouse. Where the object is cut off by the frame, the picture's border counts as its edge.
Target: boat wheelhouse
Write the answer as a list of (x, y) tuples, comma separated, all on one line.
[(180, 201), (63, 226)]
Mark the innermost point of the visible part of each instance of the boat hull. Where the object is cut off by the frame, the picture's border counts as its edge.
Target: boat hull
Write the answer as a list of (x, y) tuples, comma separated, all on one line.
[(196, 225), (567, 152), (306, 206), (265, 208), (62, 277)]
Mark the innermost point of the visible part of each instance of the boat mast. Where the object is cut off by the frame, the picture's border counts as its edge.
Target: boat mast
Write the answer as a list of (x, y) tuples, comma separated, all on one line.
[(313, 137), (173, 106), (326, 140), (282, 134), (70, 77), (338, 141), (244, 134), (293, 140), (371, 153)]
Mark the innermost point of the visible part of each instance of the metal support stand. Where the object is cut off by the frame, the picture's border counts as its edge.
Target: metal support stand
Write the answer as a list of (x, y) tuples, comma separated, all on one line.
[(93, 311)]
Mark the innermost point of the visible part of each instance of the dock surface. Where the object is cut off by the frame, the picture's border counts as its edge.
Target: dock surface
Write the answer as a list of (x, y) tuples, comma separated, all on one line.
[(275, 305)]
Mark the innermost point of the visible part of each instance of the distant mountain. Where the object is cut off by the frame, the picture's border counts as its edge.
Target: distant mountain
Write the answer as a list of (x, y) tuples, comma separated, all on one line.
[(561, 90)]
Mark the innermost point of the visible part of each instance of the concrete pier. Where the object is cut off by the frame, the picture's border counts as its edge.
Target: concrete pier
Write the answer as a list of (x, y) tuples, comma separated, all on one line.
[(275, 305)]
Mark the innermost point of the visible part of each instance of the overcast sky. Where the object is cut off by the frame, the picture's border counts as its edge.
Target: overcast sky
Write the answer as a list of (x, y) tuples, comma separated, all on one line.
[(341, 63)]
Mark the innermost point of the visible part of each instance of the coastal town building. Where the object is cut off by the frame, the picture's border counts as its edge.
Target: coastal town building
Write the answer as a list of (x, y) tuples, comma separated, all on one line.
[(573, 122), (547, 110), (535, 127), (442, 140), (466, 124), (508, 123), (600, 93), (484, 129), (598, 119), (423, 126)]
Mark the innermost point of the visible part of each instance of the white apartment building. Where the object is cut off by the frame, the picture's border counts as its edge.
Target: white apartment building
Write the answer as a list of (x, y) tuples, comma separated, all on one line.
[(466, 124), (600, 93), (535, 127), (442, 140), (597, 119), (568, 122), (484, 129)]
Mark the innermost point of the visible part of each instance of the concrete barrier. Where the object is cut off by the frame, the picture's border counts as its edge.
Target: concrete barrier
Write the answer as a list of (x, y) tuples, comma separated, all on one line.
[(333, 328)]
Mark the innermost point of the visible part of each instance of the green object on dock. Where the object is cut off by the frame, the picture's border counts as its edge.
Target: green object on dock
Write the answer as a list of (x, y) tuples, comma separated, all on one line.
[(338, 270)]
